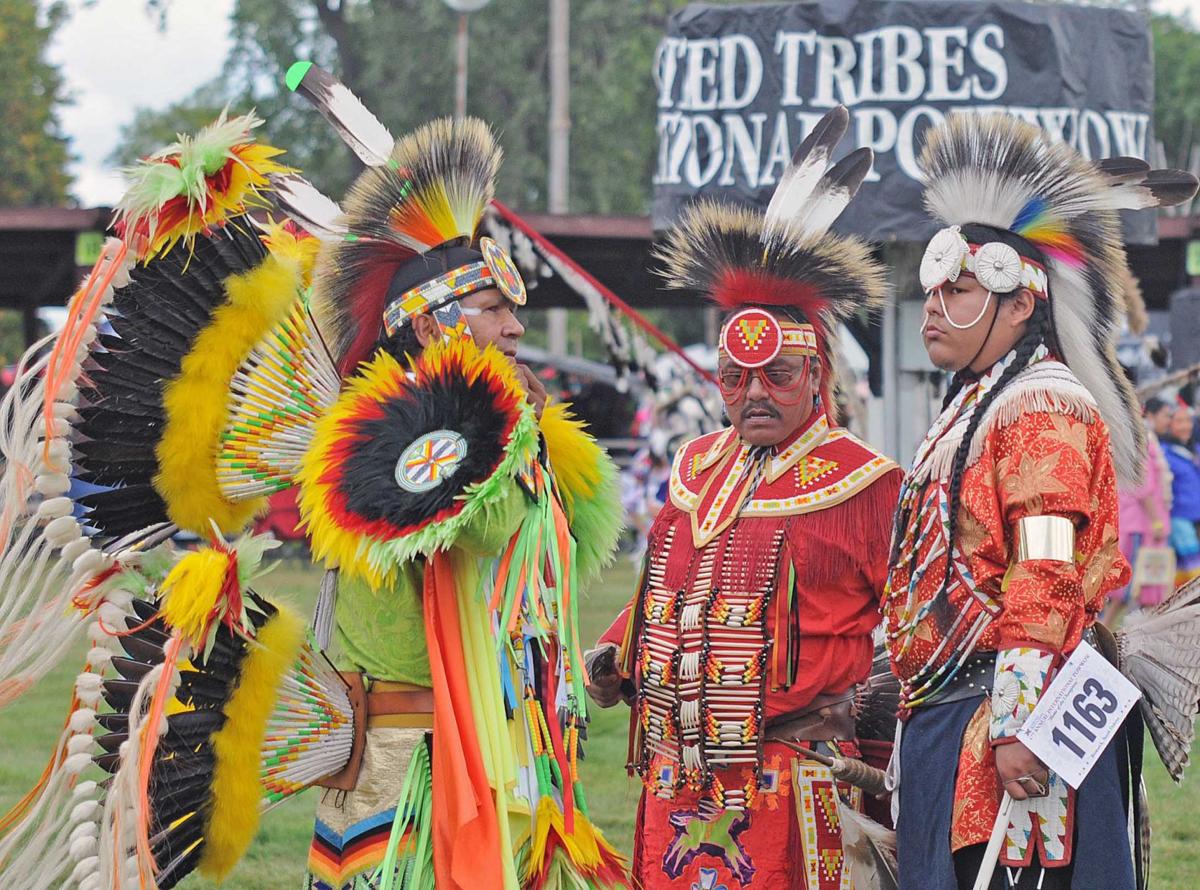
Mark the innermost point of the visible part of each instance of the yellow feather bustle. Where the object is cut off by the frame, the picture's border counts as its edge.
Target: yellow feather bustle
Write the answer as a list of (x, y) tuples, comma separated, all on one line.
[(195, 402), (576, 458), (237, 789), (285, 239)]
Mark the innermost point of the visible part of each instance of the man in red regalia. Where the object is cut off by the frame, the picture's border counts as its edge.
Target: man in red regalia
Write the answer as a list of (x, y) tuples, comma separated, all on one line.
[(752, 625)]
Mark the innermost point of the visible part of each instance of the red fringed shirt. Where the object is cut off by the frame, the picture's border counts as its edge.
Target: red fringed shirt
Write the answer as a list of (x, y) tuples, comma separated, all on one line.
[(808, 546), (1030, 462)]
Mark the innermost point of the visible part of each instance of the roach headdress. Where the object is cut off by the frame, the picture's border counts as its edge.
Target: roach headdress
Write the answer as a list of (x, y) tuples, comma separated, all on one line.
[(405, 244), (741, 258), (999, 171)]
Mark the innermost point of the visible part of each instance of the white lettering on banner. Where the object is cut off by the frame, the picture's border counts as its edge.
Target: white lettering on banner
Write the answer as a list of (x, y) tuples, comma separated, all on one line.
[(875, 129), (700, 80), (942, 61), (745, 148), (1078, 715), (890, 77), (988, 57), (835, 67), (788, 45), (735, 49), (707, 131)]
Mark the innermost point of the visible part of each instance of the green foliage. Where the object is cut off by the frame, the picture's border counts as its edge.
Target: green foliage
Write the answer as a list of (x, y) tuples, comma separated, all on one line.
[(399, 57), (33, 150), (1176, 100)]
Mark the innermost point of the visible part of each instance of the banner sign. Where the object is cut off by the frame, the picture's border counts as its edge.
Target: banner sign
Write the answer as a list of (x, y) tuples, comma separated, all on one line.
[(739, 87)]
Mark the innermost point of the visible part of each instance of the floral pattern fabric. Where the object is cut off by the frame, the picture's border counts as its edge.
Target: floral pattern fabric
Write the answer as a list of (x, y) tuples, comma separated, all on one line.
[(1039, 463)]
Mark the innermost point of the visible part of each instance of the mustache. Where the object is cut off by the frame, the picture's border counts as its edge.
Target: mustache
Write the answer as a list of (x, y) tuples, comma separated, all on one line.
[(766, 407)]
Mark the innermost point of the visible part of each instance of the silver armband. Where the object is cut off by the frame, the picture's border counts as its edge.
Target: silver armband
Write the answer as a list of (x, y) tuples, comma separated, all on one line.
[(1046, 537)]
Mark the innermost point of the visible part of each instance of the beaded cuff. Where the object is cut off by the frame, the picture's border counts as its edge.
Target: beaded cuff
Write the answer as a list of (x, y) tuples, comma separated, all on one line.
[(1021, 676)]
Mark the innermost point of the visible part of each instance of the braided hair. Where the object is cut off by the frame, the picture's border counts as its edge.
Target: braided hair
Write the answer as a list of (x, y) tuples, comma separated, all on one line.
[(401, 344), (1039, 330)]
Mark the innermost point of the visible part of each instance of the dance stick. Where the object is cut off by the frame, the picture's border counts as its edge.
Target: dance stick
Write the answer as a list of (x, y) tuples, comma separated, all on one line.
[(992, 853)]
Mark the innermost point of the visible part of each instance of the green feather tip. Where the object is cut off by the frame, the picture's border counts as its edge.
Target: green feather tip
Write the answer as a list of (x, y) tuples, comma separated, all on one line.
[(295, 74)]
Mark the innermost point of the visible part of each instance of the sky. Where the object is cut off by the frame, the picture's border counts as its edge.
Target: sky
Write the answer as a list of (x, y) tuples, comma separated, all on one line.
[(115, 60)]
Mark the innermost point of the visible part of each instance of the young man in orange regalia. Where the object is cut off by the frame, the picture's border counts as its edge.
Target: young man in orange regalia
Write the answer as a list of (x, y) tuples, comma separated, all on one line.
[(1006, 541)]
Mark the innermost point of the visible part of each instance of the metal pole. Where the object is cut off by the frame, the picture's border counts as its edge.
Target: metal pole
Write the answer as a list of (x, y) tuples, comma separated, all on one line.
[(559, 143), (460, 80)]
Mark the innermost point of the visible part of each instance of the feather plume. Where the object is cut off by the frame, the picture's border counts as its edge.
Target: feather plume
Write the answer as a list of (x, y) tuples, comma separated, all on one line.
[(358, 127), (869, 847), (802, 179), (1002, 172), (434, 189), (1159, 651), (308, 206), (194, 184), (723, 251), (835, 191)]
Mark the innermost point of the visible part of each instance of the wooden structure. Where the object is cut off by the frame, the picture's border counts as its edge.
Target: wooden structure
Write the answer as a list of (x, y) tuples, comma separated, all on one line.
[(42, 256)]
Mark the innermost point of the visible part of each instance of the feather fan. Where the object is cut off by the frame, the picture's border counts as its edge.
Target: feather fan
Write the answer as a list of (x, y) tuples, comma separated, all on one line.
[(1159, 651)]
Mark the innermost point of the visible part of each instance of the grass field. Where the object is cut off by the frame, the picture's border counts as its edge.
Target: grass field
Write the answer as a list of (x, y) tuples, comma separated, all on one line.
[(276, 861)]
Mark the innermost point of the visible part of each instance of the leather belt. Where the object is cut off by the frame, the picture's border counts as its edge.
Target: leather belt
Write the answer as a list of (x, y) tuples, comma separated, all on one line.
[(399, 705), (829, 716), (973, 680)]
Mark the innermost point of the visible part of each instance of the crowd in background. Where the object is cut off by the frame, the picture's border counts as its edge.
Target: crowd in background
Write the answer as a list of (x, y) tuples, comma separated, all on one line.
[(1160, 517)]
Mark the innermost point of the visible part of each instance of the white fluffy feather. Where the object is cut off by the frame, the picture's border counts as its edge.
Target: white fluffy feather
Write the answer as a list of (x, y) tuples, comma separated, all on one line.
[(1075, 324), (308, 206)]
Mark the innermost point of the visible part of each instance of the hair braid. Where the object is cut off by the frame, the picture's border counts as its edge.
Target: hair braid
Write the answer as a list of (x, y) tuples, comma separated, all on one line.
[(1037, 331)]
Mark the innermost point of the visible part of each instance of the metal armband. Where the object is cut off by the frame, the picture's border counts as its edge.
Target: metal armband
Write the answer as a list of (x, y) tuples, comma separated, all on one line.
[(1045, 537)]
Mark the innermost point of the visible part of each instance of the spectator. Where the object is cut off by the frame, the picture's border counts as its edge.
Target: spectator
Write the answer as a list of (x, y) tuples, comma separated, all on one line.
[(1185, 493), (1158, 416), (1146, 509)]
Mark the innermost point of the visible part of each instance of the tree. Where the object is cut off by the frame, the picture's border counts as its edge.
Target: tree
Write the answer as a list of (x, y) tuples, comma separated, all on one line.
[(398, 56), (1176, 100), (33, 150)]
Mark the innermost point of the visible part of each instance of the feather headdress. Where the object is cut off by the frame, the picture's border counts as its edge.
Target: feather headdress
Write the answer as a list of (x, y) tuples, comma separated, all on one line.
[(739, 257), (433, 191), (999, 171)]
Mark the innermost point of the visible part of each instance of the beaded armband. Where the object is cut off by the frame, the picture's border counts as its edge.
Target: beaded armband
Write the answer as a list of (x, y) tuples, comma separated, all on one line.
[(1021, 676)]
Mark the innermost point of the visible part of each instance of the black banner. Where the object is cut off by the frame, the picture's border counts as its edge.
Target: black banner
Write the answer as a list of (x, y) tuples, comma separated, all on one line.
[(740, 86)]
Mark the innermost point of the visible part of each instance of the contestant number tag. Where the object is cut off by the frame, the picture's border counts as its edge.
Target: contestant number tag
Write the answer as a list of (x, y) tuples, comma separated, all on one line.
[(1078, 715)]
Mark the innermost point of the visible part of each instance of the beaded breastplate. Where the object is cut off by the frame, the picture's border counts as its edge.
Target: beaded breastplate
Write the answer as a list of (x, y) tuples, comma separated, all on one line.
[(704, 662)]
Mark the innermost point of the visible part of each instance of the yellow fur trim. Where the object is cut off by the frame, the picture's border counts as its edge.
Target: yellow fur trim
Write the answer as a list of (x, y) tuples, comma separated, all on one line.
[(196, 401), (576, 458), (191, 591), (237, 747), (284, 240)]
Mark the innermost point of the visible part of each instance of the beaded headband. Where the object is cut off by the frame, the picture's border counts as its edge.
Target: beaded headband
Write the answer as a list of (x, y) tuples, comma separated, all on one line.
[(996, 265), (496, 269), (754, 338)]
